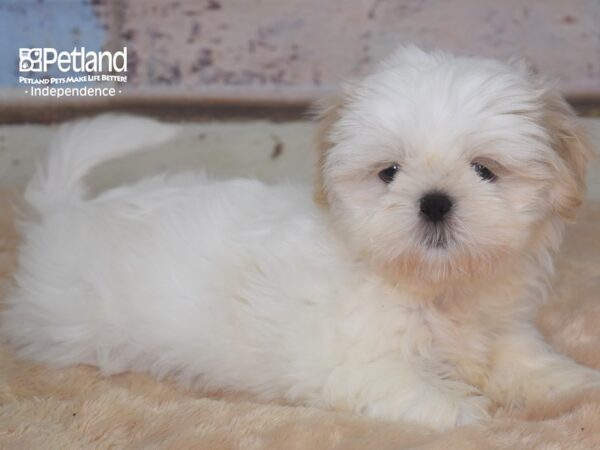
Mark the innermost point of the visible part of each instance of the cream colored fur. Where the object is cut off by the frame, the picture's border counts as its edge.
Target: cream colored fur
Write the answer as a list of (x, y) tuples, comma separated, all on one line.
[(371, 302), (41, 407)]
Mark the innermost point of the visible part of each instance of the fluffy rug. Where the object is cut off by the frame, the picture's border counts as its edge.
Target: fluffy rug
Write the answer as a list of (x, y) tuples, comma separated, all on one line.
[(41, 407)]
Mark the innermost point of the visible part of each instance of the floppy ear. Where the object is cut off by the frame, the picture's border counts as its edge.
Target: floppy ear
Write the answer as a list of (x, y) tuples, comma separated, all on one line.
[(327, 113), (572, 146)]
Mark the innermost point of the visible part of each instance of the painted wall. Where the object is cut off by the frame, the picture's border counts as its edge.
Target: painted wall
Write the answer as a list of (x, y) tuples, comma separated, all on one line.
[(295, 50)]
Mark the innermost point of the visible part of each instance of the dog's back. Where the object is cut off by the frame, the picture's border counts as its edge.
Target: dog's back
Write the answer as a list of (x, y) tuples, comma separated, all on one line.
[(176, 275)]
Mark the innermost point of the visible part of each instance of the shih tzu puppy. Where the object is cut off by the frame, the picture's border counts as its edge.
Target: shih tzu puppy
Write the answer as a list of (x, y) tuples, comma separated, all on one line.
[(405, 291)]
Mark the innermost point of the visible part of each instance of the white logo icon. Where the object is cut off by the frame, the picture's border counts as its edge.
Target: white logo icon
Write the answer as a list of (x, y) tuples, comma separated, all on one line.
[(30, 59)]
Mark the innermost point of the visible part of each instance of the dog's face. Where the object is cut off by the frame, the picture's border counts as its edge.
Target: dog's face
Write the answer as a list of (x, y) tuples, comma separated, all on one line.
[(442, 167)]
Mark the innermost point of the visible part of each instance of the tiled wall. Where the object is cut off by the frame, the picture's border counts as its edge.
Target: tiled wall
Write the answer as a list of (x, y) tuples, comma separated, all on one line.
[(278, 51)]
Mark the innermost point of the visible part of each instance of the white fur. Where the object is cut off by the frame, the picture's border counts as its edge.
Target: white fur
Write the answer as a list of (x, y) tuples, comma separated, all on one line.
[(243, 286)]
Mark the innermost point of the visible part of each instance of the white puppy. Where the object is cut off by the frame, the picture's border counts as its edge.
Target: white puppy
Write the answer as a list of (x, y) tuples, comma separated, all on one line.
[(405, 292)]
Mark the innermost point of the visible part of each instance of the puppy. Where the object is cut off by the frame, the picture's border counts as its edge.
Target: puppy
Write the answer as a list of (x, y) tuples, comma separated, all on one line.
[(405, 292)]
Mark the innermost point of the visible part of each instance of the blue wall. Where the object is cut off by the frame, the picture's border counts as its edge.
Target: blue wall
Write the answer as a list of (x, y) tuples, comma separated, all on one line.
[(61, 24)]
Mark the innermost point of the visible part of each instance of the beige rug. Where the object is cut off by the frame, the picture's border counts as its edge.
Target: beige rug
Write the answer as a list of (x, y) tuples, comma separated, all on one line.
[(44, 408)]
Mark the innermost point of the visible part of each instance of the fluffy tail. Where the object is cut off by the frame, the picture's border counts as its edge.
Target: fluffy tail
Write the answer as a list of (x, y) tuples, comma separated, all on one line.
[(79, 146)]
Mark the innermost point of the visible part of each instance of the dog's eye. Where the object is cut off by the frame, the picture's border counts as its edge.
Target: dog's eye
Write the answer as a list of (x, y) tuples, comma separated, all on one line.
[(387, 175), (485, 173)]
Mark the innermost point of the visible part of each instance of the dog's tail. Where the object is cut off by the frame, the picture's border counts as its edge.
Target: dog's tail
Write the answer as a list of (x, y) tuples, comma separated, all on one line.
[(79, 146)]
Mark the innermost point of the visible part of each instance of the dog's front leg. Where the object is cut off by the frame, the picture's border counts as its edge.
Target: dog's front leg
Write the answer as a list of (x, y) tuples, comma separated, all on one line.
[(526, 369), (395, 388)]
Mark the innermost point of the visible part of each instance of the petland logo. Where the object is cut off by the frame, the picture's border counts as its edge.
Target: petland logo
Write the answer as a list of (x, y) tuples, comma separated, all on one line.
[(47, 66), (78, 60)]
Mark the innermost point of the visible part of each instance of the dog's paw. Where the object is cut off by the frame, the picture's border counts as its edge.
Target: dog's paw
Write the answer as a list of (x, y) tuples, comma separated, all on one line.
[(448, 411), (583, 378), (435, 408), (473, 410), (569, 380)]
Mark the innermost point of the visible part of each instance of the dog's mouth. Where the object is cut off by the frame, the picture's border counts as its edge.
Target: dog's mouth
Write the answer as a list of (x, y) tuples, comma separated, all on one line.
[(436, 236)]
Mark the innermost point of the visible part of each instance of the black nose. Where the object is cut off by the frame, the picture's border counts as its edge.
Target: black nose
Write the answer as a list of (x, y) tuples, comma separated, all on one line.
[(434, 206)]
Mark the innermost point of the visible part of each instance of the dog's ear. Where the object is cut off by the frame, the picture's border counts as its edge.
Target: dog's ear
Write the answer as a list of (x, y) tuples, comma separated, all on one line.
[(326, 113), (571, 143)]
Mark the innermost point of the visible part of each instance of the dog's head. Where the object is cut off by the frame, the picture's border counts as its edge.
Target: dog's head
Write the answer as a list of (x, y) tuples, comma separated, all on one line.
[(443, 167)]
